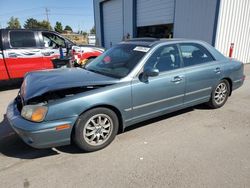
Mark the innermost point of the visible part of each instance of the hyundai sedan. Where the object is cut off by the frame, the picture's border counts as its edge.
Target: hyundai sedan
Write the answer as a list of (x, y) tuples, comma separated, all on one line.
[(134, 81)]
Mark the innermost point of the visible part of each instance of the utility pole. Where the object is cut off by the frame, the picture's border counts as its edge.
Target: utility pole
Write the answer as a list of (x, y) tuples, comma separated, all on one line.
[(47, 15), (0, 24)]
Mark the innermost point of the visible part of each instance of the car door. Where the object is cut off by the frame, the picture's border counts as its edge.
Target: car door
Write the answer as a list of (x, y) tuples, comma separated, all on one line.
[(23, 54), (51, 43), (162, 93), (202, 72)]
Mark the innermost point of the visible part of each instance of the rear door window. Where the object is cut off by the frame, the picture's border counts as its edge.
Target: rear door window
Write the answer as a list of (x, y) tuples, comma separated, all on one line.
[(22, 39), (194, 54)]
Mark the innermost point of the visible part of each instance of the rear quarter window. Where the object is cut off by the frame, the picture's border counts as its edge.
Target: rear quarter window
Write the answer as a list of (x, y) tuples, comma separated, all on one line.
[(22, 39)]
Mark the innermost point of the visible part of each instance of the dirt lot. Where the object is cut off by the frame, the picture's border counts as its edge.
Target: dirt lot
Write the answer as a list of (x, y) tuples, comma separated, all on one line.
[(196, 147)]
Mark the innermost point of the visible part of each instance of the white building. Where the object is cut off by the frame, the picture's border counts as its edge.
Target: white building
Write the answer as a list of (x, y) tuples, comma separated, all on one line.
[(219, 22)]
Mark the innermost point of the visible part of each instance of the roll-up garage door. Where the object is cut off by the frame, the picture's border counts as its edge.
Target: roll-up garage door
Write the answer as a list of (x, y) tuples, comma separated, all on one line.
[(113, 22), (155, 12)]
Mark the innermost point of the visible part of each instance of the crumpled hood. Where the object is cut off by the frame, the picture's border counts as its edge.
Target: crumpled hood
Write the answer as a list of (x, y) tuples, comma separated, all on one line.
[(40, 82)]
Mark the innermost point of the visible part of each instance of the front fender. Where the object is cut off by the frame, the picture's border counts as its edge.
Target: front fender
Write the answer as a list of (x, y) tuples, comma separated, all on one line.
[(118, 96)]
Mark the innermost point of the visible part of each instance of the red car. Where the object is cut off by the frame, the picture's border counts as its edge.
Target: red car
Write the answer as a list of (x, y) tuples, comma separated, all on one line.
[(85, 53), (22, 51)]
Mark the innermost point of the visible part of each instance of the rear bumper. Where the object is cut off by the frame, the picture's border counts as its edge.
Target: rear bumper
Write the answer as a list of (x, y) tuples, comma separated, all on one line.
[(40, 135)]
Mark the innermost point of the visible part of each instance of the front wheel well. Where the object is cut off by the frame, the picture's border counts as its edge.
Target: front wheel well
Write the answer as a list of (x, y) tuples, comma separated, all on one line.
[(114, 109)]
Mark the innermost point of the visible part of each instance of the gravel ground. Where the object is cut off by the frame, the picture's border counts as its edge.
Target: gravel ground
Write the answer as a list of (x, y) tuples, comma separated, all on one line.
[(195, 147)]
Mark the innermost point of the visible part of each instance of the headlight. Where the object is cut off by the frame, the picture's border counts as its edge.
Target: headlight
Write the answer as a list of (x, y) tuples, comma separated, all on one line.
[(34, 113)]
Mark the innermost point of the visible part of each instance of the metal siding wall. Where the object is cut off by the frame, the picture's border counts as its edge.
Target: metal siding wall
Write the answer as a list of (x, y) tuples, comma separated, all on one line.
[(97, 15), (155, 12), (195, 19), (112, 22), (128, 17), (234, 27)]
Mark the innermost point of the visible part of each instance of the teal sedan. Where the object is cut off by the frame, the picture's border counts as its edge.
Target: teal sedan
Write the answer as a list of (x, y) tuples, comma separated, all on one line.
[(132, 82)]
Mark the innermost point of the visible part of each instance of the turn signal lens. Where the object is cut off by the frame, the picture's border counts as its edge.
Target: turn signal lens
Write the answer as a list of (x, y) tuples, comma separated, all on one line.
[(62, 127)]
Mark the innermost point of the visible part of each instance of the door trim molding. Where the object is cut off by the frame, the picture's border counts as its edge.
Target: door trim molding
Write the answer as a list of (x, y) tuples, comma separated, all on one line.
[(164, 100), (198, 91), (156, 102)]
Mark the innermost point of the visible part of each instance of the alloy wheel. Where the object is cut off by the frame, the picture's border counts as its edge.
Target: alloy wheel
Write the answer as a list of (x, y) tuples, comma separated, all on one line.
[(220, 93), (98, 129)]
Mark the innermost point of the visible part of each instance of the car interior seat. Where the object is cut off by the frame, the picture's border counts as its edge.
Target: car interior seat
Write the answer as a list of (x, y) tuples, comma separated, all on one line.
[(165, 62), (197, 56)]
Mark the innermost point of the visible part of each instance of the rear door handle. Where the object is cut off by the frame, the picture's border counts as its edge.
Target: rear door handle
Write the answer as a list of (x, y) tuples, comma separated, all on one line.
[(177, 79), (217, 70)]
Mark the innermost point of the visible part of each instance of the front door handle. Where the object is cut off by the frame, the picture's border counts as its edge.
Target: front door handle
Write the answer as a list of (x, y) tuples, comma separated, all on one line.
[(46, 53), (217, 70), (177, 79)]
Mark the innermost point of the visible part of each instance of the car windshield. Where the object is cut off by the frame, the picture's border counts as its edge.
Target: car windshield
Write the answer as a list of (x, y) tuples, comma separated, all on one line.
[(118, 61)]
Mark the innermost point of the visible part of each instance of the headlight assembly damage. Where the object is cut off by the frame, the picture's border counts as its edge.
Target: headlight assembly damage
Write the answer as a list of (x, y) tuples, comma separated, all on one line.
[(34, 113)]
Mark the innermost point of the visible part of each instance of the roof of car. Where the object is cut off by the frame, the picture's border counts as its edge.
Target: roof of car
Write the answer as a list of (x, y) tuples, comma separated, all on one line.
[(34, 30), (25, 29), (153, 41)]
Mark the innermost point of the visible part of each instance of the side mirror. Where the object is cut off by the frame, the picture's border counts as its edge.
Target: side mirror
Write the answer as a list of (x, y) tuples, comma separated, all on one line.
[(151, 72), (148, 72)]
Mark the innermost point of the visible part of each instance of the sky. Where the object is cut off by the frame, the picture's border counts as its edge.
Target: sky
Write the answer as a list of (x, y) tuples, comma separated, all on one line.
[(78, 14)]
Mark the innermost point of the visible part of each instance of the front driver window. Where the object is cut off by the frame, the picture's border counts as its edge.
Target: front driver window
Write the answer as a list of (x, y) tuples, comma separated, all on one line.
[(165, 58), (53, 41)]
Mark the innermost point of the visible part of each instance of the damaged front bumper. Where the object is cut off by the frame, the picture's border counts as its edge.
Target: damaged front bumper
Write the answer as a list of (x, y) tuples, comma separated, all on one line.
[(40, 135)]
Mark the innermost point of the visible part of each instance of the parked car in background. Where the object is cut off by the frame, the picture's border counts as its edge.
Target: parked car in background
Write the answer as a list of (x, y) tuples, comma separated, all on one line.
[(22, 51), (129, 83), (92, 39), (83, 54)]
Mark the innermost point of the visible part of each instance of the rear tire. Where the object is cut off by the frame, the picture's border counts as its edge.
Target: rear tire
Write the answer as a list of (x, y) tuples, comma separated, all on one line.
[(219, 95), (96, 129)]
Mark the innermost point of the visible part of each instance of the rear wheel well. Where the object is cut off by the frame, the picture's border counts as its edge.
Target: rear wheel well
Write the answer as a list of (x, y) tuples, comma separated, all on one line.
[(114, 109), (230, 84)]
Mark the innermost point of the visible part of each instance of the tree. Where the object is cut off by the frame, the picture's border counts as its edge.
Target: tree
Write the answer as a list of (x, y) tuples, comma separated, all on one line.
[(68, 28), (31, 23), (58, 27), (84, 33), (92, 30), (14, 23), (44, 25)]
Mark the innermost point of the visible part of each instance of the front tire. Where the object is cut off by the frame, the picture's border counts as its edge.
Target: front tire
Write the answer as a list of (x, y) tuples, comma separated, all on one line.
[(96, 129), (220, 94)]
